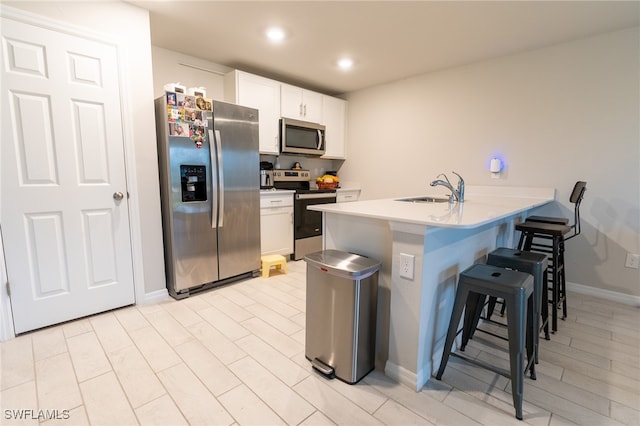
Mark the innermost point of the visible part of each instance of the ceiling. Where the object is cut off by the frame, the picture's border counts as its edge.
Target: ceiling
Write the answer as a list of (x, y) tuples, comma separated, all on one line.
[(388, 40)]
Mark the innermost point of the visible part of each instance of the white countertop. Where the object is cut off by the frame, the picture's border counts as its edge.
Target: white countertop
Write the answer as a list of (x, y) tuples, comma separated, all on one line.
[(482, 205)]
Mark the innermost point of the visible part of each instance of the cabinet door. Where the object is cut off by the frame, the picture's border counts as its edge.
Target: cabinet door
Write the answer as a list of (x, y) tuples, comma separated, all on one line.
[(300, 104), (264, 95), (291, 101), (276, 230), (334, 114), (312, 102)]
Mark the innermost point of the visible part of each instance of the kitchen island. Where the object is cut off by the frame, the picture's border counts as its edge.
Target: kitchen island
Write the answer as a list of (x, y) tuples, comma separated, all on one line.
[(436, 241)]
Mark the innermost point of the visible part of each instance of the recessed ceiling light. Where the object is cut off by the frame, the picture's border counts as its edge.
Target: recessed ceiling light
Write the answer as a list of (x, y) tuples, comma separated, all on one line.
[(275, 34), (345, 63)]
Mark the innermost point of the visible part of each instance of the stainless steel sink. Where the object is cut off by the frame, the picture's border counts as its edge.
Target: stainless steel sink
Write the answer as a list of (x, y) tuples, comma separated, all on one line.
[(424, 200)]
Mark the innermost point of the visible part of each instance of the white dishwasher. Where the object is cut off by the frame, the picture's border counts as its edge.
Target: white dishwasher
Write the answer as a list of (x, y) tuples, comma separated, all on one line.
[(276, 222)]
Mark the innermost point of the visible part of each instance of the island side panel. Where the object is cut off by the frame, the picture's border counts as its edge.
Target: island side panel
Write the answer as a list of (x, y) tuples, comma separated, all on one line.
[(371, 238)]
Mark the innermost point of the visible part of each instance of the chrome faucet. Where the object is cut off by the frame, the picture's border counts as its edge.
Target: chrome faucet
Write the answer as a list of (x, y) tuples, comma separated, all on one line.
[(456, 194)]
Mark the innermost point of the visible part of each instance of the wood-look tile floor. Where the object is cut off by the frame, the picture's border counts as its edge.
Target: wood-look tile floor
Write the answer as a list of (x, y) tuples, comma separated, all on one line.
[(235, 355)]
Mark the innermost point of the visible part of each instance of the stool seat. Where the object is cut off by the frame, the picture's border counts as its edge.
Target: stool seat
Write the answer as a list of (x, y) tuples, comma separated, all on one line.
[(497, 280), (270, 260), (552, 229), (548, 219), (516, 288)]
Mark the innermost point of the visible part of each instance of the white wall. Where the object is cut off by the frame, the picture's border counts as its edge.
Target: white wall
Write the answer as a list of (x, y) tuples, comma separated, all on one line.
[(128, 27), (556, 115)]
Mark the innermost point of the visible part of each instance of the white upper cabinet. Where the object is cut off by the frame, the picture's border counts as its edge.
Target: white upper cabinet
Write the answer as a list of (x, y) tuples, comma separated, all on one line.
[(274, 99), (334, 113), (300, 104), (263, 94)]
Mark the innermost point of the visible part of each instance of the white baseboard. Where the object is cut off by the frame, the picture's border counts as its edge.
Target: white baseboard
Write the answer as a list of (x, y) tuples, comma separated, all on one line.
[(152, 297), (614, 296), (404, 376)]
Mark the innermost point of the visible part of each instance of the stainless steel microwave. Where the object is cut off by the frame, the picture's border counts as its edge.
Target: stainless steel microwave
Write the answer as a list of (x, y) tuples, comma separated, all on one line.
[(301, 137)]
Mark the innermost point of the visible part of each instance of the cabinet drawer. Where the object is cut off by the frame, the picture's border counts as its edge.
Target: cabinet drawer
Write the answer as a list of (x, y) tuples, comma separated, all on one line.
[(347, 195), (276, 211), (269, 200)]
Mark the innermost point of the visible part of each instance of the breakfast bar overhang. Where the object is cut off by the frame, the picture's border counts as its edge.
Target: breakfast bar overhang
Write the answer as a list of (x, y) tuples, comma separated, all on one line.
[(440, 240)]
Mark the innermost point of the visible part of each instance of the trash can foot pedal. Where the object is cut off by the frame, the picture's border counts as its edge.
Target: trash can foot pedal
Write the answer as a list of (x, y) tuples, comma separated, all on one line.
[(322, 368)]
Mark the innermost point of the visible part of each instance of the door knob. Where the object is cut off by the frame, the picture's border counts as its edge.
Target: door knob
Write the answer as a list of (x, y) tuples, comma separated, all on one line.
[(118, 196)]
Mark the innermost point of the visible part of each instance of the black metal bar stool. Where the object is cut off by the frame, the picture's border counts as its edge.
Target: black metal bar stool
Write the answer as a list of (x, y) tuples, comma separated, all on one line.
[(516, 288), (547, 235), (536, 265), (548, 238)]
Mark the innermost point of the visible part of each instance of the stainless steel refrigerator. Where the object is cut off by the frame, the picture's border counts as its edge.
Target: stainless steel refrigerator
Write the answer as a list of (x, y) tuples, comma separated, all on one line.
[(209, 183)]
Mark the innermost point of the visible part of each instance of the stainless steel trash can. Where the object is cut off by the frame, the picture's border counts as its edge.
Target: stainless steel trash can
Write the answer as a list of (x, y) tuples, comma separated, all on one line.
[(342, 300)]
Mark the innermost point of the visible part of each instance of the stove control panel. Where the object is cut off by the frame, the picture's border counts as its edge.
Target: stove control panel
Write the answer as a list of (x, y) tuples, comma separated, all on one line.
[(291, 175)]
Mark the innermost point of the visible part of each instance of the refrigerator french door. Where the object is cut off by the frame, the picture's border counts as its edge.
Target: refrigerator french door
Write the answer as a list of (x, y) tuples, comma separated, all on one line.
[(209, 183)]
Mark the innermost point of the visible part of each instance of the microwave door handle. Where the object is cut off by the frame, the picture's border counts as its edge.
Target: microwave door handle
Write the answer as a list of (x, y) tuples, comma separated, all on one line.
[(320, 139), (220, 179)]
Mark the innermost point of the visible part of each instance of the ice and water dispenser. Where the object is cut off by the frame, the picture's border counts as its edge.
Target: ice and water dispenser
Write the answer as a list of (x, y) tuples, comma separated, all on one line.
[(194, 183)]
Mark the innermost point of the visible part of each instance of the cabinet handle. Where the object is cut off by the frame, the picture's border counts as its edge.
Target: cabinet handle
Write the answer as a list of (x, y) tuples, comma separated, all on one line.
[(301, 114), (275, 201), (305, 110)]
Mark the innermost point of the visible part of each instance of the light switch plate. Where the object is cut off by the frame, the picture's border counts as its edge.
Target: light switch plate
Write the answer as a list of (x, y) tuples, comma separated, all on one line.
[(633, 260)]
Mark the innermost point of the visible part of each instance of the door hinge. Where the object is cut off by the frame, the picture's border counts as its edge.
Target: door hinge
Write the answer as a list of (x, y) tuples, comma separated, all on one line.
[(8, 289)]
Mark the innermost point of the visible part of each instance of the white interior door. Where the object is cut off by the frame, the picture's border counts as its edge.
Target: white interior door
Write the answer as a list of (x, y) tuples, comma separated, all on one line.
[(65, 232)]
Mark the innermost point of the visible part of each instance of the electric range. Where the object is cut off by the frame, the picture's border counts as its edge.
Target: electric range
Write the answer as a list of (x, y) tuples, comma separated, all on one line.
[(307, 231)]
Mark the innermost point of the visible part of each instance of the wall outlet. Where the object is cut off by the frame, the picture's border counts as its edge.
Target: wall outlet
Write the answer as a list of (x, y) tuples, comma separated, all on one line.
[(406, 265), (633, 261)]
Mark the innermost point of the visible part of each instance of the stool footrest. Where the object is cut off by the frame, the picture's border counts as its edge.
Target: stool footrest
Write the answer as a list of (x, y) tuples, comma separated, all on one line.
[(491, 333), (479, 363), (501, 371)]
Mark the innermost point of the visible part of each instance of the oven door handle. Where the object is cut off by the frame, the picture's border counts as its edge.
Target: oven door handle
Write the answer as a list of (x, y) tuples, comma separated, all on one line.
[(315, 196)]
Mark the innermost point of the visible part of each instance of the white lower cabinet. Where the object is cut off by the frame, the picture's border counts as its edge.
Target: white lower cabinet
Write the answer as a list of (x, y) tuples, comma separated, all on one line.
[(276, 222)]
